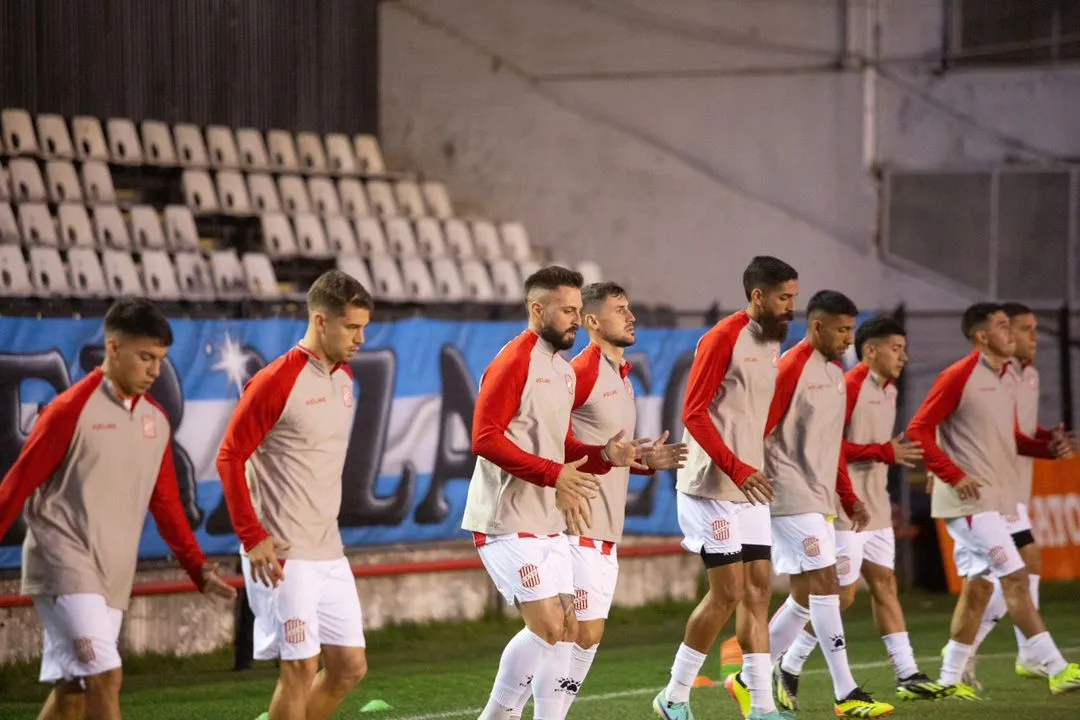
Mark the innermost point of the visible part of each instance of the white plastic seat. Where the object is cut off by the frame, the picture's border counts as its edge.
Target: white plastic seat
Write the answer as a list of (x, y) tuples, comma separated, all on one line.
[(110, 228), (14, 275), (278, 238), (18, 129), (227, 274), (263, 192), (63, 182), (387, 276), (339, 234), (409, 199), (252, 149), (282, 151), (381, 198), (9, 227), (124, 145), (158, 148), (324, 196), (121, 277), (370, 239), (310, 150), (429, 237), (417, 277), (89, 139), (54, 138), (486, 240), (294, 195), (259, 275), (340, 156), (47, 273), (199, 191), (146, 228), (356, 268), (448, 283), (190, 145), (310, 236), (159, 276), (37, 226), (233, 193), (193, 276), (97, 183), (222, 147), (399, 232), (477, 281), (459, 239), (85, 275), (504, 276), (75, 227), (437, 198), (181, 234), (516, 244), (590, 271), (354, 201), (26, 182), (368, 155)]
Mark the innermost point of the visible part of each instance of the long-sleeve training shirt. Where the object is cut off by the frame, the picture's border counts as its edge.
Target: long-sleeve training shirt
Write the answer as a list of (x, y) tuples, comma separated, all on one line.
[(1027, 415), (871, 416), (91, 467)]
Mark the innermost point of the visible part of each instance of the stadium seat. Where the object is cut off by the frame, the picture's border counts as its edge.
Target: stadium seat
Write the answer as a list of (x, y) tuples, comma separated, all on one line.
[(121, 277), (417, 277), (278, 239), (37, 225), (259, 273), (357, 268), (18, 128), (47, 273), (354, 199), (75, 227), (227, 274), (14, 276), (252, 149), (515, 242), (85, 275), (222, 147), (158, 148), (448, 281), (97, 183), (110, 228), (294, 195), (312, 156), (5, 184), (486, 240), (190, 146), (124, 145), (193, 277), (399, 232), (340, 235), (63, 182), (89, 139), (233, 193), (146, 228), (409, 199), (324, 196), (199, 192), (459, 239), (9, 228), (263, 191), (590, 271), (310, 236), (370, 239), (159, 276), (381, 197), (282, 151), (368, 155), (477, 281), (54, 138), (340, 155), (437, 199), (387, 277), (26, 182), (430, 237), (180, 231), (504, 276)]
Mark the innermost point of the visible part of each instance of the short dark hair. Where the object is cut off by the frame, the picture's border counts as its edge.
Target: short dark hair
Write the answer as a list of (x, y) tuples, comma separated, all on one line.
[(766, 273), (594, 294), (976, 316), (333, 291), (876, 328), (1015, 309), (831, 302), (138, 318), (553, 277)]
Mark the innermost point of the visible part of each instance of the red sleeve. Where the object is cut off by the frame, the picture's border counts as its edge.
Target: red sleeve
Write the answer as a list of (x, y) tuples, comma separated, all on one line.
[(710, 366), (259, 409), (496, 403), (1032, 446), (1042, 433), (844, 489), (791, 367), (940, 403), (575, 449), (171, 522), (45, 448), (857, 452), (586, 371)]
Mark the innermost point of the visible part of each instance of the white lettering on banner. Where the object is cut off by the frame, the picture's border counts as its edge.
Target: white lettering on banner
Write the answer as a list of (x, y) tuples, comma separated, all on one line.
[(1055, 520)]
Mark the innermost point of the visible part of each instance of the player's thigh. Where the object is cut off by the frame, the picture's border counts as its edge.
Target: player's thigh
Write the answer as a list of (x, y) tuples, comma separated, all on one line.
[(595, 576), (982, 545), (341, 621), (710, 528), (344, 664), (803, 544), (81, 636), (849, 556)]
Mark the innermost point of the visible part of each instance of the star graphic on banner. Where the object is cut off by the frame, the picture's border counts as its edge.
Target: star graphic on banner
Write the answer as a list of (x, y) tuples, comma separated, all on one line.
[(233, 361)]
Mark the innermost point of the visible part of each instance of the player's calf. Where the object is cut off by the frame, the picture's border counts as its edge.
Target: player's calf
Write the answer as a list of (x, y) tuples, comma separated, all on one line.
[(295, 679)]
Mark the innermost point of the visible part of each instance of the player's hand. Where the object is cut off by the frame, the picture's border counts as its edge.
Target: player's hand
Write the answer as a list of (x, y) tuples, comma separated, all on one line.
[(573, 482), (662, 456), (758, 489), (906, 453), (860, 516), (213, 585), (625, 454), (1063, 443), (265, 567), (575, 511), (968, 488)]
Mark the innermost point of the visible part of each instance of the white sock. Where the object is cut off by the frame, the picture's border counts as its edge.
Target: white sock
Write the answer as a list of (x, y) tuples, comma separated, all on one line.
[(902, 657), (580, 662), (825, 619), (522, 658), (785, 626), (1043, 650), (796, 655), (995, 610), (1021, 641), (954, 662), (684, 671), (551, 683), (757, 676)]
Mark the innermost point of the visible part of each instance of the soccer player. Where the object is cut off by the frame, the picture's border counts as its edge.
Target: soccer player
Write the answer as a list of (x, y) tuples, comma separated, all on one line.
[(881, 347), (280, 465), (804, 457), (970, 438), (97, 458), (723, 494), (532, 481)]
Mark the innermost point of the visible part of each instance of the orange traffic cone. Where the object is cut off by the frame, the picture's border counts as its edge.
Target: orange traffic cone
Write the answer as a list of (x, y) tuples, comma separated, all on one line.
[(730, 657)]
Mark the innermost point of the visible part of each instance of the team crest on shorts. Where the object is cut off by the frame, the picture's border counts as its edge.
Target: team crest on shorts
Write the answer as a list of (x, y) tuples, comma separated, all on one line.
[(347, 395), (569, 383), (843, 565), (84, 650), (811, 546), (149, 426), (581, 600), (295, 631), (721, 529), (998, 556), (530, 576)]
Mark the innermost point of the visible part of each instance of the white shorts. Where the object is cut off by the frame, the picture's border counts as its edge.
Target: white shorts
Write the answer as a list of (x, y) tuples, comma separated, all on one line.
[(1019, 522), (315, 605), (721, 527), (596, 572), (802, 543), (81, 636), (876, 546), (982, 544), (527, 569)]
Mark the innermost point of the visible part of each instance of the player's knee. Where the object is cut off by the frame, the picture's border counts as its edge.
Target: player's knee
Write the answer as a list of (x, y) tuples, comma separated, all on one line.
[(67, 702), (756, 594), (299, 674), (979, 589), (823, 581), (1015, 587), (589, 633), (725, 592), (571, 631), (347, 674), (847, 596), (1033, 562), (882, 585)]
